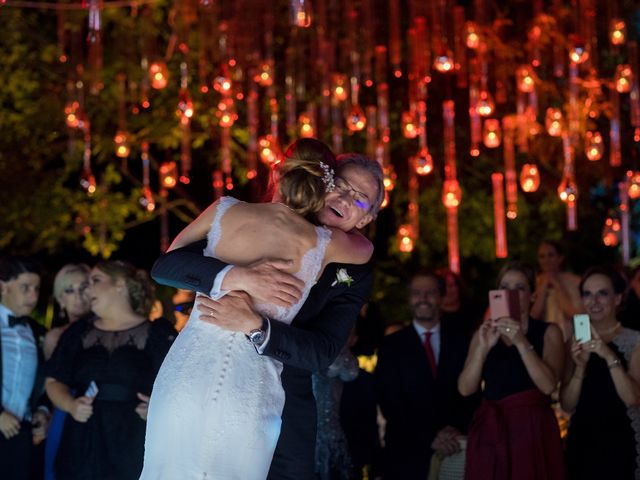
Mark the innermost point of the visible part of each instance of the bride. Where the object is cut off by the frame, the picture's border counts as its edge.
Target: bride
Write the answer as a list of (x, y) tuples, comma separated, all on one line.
[(216, 405)]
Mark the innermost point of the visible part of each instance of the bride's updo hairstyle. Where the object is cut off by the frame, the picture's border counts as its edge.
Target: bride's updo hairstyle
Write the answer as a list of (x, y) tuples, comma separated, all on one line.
[(139, 286), (306, 175)]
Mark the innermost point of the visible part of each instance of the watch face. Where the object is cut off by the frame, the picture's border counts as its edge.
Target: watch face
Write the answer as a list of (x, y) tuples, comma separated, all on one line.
[(256, 336)]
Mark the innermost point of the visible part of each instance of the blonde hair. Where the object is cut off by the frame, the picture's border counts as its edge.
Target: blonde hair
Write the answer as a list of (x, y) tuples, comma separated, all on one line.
[(138, 284), (303, 182), (63, 277)]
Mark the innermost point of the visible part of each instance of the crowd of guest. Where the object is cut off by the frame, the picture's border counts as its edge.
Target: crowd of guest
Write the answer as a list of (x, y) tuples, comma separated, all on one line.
[(456, 392)]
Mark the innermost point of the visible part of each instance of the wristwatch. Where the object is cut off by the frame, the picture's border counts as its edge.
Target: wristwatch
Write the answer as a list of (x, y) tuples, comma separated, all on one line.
[(257, 336)]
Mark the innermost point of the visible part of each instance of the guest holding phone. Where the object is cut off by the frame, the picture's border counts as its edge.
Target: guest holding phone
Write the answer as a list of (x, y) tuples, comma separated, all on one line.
[(110, 361), (514, 434), (602, 386)]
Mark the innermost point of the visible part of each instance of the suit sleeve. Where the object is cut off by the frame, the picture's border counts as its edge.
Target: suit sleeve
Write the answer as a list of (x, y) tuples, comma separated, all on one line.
[(387, 392), (316, 344), (187, 268)]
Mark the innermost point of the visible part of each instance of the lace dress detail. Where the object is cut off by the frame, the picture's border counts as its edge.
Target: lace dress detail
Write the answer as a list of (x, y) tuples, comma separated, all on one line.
[(216, 404)]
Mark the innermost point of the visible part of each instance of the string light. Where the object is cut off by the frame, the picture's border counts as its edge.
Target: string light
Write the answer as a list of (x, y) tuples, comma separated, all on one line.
[(529, 177)]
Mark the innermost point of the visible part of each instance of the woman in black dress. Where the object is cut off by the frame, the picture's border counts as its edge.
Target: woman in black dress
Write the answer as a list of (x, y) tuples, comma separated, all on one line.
[(602, 387), (120, 351), (516, 362)]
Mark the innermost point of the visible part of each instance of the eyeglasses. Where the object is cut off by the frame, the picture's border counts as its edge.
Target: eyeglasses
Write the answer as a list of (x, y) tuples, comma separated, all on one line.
[(360, 200), (184, 308)]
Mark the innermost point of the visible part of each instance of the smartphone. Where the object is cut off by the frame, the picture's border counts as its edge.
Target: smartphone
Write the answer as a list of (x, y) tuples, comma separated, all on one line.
[(504, 303), (92, 390), (582, 327)]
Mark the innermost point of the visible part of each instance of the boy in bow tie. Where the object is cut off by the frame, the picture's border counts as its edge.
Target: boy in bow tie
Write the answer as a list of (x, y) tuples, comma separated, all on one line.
[(19, 290)]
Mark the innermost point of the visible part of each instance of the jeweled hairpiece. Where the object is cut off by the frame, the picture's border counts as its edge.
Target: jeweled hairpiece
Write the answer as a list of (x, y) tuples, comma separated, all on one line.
[(327, 177)]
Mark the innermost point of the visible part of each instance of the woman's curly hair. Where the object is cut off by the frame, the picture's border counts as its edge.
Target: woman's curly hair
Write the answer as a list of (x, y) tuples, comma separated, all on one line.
[(138, 282)]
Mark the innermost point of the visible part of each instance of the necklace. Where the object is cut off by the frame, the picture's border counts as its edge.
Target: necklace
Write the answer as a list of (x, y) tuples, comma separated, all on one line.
[(608, 331)]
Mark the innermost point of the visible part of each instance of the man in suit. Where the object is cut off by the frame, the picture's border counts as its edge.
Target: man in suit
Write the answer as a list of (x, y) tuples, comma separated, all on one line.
[(322, 326), (19, 290), (416, 377)]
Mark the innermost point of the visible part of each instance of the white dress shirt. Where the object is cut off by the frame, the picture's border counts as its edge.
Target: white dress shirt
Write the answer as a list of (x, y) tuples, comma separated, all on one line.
[(435, 338), (19, 365)]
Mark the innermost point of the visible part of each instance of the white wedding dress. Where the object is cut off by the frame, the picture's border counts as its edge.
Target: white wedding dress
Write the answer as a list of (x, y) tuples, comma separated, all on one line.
[(216, 403)]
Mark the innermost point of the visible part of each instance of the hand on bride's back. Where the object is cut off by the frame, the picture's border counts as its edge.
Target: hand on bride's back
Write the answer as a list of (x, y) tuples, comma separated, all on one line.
[(266, 281)]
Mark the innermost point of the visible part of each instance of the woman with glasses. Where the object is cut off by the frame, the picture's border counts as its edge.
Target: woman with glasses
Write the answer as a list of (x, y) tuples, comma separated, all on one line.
[(602, 386)]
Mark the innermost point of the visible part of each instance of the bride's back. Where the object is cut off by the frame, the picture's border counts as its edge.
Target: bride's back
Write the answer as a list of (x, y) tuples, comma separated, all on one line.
[(248, 232)]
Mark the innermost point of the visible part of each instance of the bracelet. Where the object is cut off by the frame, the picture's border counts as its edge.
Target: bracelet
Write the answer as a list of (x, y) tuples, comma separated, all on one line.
[(527, 349), (615, 363)]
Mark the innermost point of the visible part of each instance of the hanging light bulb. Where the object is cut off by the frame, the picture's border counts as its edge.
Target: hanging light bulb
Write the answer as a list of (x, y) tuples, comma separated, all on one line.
[(578, 54), (473, 38), (158, 74), (269, 150), (147, 200), (410, 128), (444, 62), (121, 140), (222, 83), (553, 121), (356, 120), (72, 118), (593, 145), (611, 232), (305, 126), (301, 13), (185, 106), (451, 193), (633, 179), (405, 238), (88, 181), (525, 80), (618, 31), (340, 90), (623, 78), (389, 178), (264, 77), (226, 113), (168, 174), (422, 162), (568, 190), (485, 105), (529, 177), (492, 134)]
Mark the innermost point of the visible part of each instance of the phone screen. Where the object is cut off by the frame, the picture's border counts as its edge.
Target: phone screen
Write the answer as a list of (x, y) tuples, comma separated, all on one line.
[(582, 327)]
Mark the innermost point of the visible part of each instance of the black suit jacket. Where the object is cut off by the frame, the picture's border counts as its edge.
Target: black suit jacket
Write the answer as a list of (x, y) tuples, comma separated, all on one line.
[(310, 344), (415, 405)]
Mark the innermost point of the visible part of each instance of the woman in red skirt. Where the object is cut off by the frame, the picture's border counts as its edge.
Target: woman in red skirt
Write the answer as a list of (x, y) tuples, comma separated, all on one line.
[(514, 434)]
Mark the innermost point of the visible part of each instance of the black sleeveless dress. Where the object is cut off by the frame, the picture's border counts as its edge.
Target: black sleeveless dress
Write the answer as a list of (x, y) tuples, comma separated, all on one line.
[(602, 441), (504, 372), (110, 445)]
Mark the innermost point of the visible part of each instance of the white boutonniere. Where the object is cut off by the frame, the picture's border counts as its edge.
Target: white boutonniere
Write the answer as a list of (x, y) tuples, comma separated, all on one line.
[(342, 277)]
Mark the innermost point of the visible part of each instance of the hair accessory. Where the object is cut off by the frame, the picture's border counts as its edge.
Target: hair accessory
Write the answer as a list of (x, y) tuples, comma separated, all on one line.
[(327, 177)]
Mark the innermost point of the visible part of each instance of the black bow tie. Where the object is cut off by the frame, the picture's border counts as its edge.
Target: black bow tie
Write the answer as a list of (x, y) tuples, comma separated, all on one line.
[(13, 321)]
